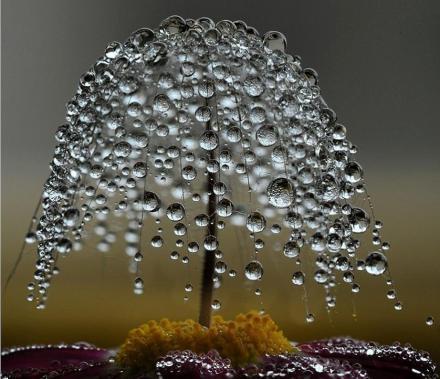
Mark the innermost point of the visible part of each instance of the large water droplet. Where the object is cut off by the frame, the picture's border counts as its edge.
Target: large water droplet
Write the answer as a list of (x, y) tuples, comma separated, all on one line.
[(209, 140), (267, 135), (254, 270), (175, 212), (255, 222), (280, 193), (376, 263)]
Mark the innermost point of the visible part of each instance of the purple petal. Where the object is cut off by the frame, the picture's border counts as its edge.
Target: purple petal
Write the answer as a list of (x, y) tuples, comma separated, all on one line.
[(186, 364), (298, 366), (58, 360), (380, 361)]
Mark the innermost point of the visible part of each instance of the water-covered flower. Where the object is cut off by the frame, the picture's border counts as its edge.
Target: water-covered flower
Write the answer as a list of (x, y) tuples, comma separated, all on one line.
[(242, 340), (197, 133), (335, 358)]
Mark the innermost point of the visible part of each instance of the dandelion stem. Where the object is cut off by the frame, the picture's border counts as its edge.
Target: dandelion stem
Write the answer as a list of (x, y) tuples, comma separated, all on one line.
[(209, 255)]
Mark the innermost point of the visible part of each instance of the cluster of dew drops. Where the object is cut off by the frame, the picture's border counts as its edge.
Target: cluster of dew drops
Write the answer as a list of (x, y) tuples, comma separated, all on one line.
[(197, 110)]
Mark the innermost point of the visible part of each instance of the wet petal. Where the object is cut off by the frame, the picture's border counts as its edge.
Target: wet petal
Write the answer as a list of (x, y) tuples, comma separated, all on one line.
[(186, 364), (303, 366), (57, 360), (380, 361)]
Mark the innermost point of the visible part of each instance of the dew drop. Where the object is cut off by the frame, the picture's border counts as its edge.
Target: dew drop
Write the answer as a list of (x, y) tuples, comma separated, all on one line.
[(280, 193), (376, 263), (298, 278), (209, 140), (254, 270), (310, 318), (175, 212), (255, 222), (267, 135), (216, 305)]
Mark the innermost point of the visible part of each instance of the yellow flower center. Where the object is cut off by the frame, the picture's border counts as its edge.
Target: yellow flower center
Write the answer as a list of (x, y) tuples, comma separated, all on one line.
[(242, 340)]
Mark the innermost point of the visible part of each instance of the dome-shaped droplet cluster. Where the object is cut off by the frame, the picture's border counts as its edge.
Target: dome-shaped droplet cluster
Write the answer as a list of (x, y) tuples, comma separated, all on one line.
[(206, 126)]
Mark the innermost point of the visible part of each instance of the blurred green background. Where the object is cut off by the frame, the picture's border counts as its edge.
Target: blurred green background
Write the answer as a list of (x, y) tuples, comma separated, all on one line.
[(378, 64)]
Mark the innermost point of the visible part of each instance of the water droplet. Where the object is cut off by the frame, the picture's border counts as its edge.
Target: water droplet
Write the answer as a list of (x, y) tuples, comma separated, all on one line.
[(173, 25), (209, 140), (220, 267), (140, 170), (216, 305), (254, 270), (298, 278), (189, 173), (398, 306), (255, 222), (310, 318), (138, 286), (275, 41), (253, 86), (353, 172), (224, 208), (151, 202), (175, 212), (280, 193), (291, 249), (210, 243), (122, 149), (321, 276), (203, 114), (359, 220), (267, 135), (71, 217), (376, 263)]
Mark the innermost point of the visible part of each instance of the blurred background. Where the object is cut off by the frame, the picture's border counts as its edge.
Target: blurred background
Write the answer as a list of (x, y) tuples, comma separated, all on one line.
[(379, 70)]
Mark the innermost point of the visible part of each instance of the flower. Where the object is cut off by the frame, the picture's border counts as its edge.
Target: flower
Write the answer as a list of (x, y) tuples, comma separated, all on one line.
[(341, 357), (250, 346), (242, 340)]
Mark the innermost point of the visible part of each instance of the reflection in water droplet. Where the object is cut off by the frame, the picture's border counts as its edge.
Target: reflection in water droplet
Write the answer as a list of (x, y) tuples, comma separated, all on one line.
[(280, 193), (254, 270), (376, 263)]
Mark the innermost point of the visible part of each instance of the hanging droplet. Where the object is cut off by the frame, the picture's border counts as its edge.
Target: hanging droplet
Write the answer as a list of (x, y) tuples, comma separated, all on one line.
[(310, 318), (151, 202), (210, 243), (175, 212), (291, 249), (280, 193), (254, 270), (255, 222), (267, 135), (359, 220), (376, 263), (209, 140), (224, 208), (216, 305), (138, 286), (298, 278)]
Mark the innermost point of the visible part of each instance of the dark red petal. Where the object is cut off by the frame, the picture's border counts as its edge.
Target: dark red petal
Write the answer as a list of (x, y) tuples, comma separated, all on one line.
[(186, 364), (36, 361), (299, 366), (380, 361)]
